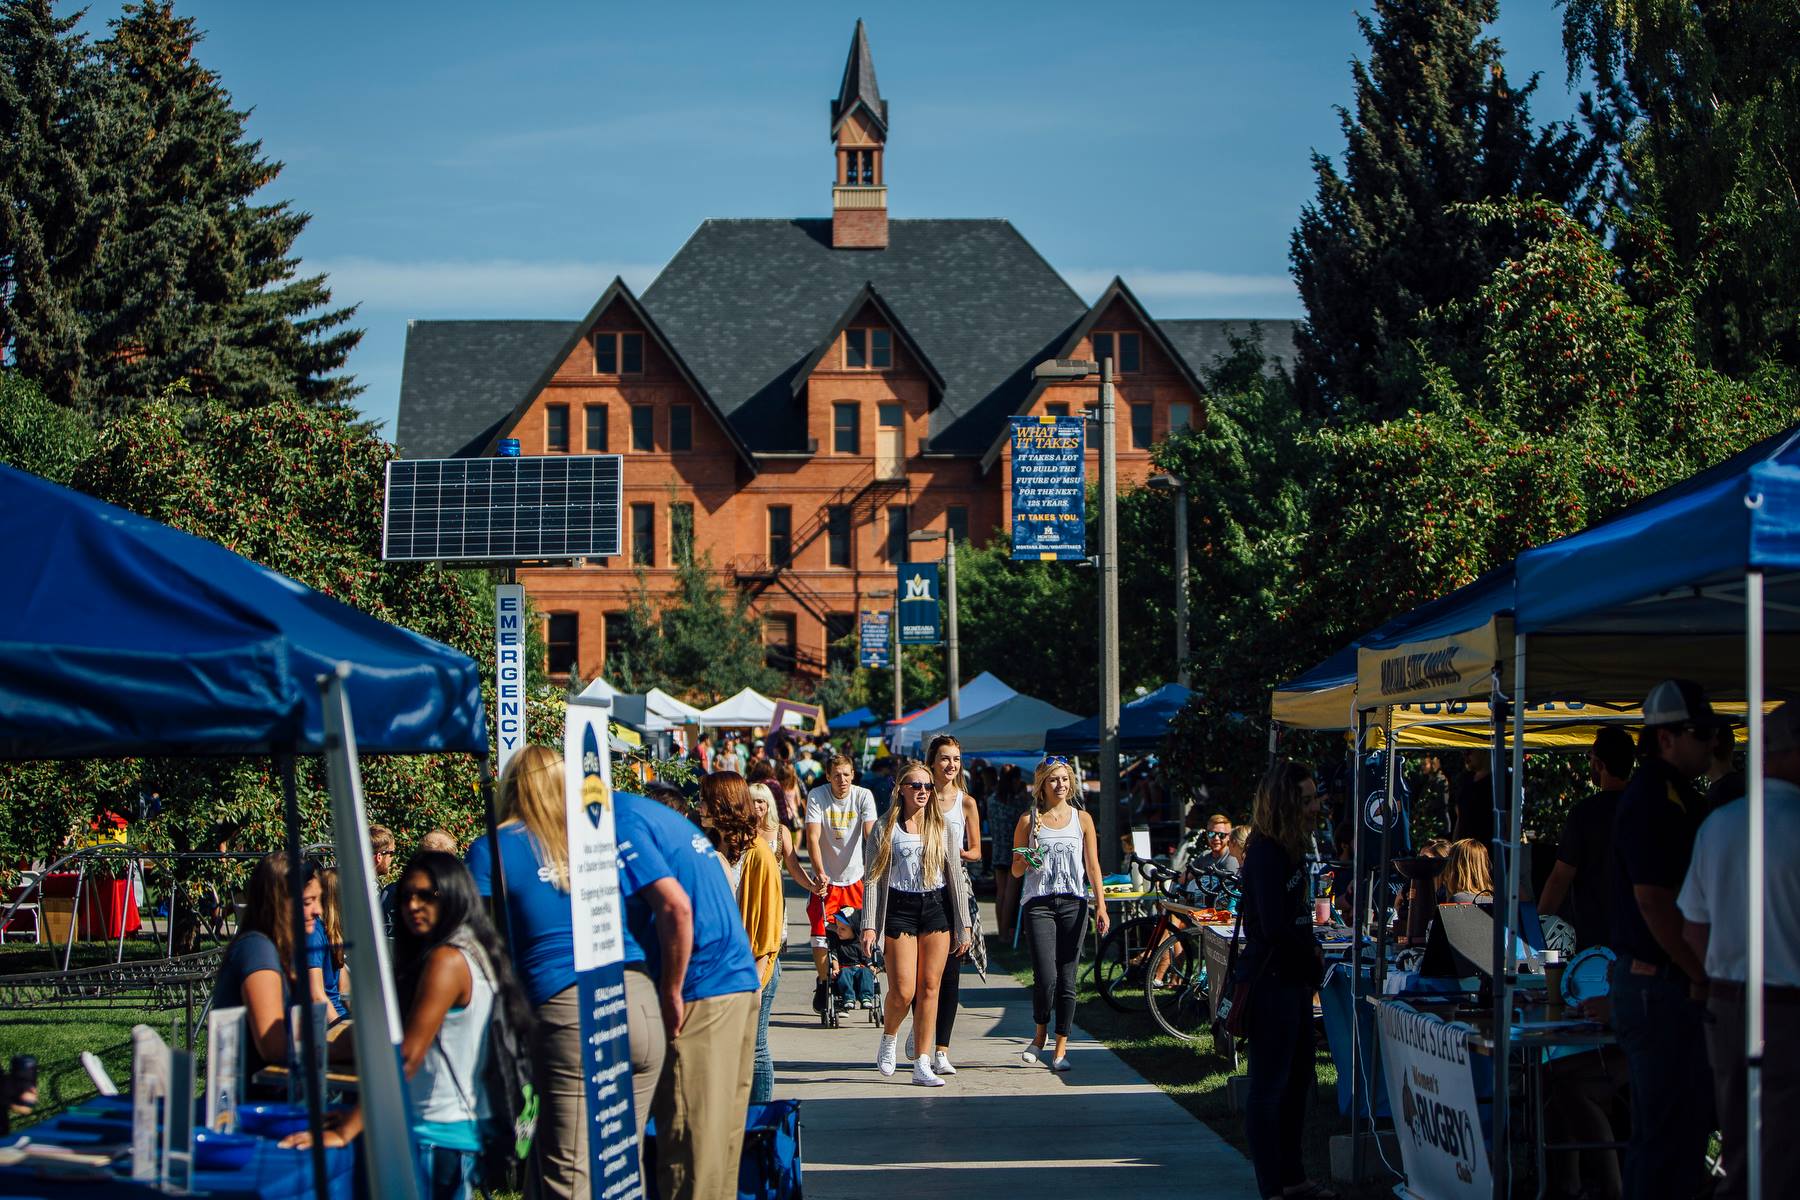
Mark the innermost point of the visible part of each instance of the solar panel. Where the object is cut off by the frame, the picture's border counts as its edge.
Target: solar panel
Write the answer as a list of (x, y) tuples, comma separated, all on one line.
[(469, 509)]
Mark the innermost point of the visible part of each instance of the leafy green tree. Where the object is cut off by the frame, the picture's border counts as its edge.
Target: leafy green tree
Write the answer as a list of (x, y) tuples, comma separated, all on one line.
[(38, 436), (701, 644), (1435, 124), (135, 250), (1702, 103)]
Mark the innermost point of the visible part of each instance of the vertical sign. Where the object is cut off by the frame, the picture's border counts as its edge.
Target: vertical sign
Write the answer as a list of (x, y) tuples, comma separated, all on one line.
[(509, 671), (599, 921), (224, 1067), (150, 1070), (919, 604), (873, 650), (1049, 489), (1432, 1096)]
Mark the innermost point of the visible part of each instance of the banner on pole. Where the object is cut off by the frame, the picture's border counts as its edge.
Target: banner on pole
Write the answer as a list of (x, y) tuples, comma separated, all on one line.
[(509, 673), (873, 640), (599, 921), (1049, 489), (1432, 1095), (918, 600)]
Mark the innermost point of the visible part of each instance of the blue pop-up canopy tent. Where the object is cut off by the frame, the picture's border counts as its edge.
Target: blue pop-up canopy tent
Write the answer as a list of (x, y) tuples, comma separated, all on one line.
[(856, 718), (1143, 724), (121, 636)]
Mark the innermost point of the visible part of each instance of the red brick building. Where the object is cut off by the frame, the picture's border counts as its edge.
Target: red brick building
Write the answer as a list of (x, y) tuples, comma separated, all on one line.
[(793, 397)]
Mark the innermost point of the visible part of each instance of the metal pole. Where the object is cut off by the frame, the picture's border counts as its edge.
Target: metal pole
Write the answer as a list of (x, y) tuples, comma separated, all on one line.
[(1182, 675), (899, 711), (1389, 813), (1107, 820), (1753, 985), (1359, 1098), (1502, 963), (950, 598)]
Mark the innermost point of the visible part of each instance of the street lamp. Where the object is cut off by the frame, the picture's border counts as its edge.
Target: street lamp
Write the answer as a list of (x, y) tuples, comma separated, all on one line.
[(893, 642), (1107, 819), (1169, 483), (932, 535)]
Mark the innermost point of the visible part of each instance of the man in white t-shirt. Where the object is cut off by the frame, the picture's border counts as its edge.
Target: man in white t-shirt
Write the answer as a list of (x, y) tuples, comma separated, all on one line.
[(1714, 899), (840, 820)]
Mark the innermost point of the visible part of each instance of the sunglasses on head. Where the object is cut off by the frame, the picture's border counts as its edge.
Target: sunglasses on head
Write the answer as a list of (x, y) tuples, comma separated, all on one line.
[(1055, 760)]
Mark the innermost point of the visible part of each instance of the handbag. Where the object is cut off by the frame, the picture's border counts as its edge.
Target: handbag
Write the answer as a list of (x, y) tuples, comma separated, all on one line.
[(1232, 1019)]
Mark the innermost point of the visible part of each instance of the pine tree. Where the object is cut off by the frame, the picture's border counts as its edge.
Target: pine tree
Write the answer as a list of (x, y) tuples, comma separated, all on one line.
[(1379, 254), (58, 204)]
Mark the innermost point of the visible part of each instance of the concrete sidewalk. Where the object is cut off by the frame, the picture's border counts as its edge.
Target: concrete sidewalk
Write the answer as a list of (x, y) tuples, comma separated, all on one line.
[(998, 1127)]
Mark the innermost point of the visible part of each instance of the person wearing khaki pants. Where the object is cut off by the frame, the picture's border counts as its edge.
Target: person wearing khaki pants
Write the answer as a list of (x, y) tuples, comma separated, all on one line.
[(702, 1097)]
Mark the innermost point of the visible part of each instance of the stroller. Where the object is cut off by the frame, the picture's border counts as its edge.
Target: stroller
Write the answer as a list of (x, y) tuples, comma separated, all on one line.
[(855, 973)]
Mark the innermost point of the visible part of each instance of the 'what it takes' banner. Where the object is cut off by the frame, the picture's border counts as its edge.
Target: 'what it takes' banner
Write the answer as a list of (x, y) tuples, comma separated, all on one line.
[(1049, 489), (599, 919)]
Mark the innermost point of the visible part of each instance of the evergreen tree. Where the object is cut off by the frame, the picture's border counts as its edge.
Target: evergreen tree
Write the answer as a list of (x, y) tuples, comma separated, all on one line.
[(58, 201), (133, 252), (1703, 103), (1436, 123)]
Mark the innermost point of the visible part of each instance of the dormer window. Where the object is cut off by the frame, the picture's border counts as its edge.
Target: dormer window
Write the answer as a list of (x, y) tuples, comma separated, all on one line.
[(1125, 349), (868, 349), (618, 354)]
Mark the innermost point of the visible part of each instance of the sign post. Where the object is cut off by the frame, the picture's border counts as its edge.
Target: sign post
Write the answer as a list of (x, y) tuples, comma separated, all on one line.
[(509, 671), (873, 641), (918, 604), (599, 921), (1049, 489)]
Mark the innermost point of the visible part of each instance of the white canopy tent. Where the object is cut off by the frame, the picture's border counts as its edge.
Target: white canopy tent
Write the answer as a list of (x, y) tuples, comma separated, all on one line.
[(748, 708), (978, 695)]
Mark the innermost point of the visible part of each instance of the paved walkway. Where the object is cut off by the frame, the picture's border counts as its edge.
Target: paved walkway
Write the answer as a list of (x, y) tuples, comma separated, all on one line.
[(998, 1128)]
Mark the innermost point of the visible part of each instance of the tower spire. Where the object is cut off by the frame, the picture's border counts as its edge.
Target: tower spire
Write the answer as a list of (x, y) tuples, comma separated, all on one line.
[(859, 124)]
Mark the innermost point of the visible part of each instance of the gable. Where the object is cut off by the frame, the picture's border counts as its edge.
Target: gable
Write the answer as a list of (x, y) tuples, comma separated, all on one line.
[(461, 379)]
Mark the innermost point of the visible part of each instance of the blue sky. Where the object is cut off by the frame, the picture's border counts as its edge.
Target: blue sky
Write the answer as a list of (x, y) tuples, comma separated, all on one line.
[(465, 160)]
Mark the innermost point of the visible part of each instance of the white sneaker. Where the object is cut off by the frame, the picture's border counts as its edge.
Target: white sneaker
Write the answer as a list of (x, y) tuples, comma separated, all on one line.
[(1060, 1065), (1030, 1054), (884, 1059), (941, 1064), (923, 1074)]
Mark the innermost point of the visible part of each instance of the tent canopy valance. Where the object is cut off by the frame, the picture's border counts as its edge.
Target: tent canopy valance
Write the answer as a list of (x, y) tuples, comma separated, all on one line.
[(120, 636)]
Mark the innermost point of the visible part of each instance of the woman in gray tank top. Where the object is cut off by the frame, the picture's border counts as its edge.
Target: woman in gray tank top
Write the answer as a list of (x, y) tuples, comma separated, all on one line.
[(1055, 847)]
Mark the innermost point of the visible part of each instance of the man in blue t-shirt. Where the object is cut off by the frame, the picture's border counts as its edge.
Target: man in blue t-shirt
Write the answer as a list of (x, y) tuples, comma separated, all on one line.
[(709, 1001)]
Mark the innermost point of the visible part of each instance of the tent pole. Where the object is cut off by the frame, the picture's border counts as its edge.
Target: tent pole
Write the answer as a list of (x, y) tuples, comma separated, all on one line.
[(309, 1042), (1358, 1100), (1378, 899), (1753, 988), (501, 911), (1502, 1157)]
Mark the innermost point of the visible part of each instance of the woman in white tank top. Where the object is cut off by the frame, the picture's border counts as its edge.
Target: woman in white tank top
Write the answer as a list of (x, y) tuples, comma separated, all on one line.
[(1055, 848), (962, 821)]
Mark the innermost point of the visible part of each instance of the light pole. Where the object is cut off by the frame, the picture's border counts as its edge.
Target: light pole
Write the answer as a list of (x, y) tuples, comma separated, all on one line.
[(893, 643), (932, 535), (1171, 484), (1106, 821)]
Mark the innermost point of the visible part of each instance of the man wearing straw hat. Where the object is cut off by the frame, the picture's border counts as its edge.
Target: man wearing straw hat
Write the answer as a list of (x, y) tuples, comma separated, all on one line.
[(1715, 901)]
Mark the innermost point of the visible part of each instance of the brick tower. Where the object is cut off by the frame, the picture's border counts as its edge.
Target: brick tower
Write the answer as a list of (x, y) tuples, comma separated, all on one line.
[(859, 131)]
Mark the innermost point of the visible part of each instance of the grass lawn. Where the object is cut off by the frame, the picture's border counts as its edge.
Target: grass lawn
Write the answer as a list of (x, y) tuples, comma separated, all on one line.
[(1193, 1076)]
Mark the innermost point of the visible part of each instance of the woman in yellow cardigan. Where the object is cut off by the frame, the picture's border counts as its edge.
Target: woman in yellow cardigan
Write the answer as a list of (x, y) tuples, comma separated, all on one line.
[(733, 823)]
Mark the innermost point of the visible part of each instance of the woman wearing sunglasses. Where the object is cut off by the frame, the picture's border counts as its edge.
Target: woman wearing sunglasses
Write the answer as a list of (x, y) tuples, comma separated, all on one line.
[(962, 822), (1054, 844), (451, 974), (921, 907)]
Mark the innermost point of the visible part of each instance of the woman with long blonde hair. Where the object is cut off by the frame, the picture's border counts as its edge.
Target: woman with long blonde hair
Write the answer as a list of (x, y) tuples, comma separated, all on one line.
[(1282, 964), (921, 907), (962, 823), (1467, 875), (1054, 844)]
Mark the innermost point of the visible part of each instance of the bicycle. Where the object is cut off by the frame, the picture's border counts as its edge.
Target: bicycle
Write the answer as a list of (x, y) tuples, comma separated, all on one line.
[(1177, 987), (1124, 963)]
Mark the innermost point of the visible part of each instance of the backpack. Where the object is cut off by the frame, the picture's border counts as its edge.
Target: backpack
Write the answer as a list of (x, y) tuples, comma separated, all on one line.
[(506, 1100)]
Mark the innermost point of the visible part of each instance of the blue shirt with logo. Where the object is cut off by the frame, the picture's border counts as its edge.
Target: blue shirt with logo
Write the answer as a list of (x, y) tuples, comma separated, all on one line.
[(655, 842), (540, 929), (318, 955)]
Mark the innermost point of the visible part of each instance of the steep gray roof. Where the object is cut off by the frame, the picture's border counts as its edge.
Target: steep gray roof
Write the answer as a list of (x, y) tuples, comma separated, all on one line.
[(859, 85), (1200, 341), (461, 379), (747, 302)]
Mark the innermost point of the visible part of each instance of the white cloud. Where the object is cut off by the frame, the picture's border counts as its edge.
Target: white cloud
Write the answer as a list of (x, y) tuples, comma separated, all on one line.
[(482, 287), (1269, 295)]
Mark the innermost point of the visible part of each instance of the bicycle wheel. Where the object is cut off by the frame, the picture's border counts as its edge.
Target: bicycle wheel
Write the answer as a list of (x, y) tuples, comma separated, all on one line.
[(1119, 965), (1175, 985)]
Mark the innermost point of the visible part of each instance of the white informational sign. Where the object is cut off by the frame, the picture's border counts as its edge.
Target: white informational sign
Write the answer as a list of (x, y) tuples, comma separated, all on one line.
[(613, 1168), (150, 1069), (509, 673), (1432, 1096), (224, 1067)]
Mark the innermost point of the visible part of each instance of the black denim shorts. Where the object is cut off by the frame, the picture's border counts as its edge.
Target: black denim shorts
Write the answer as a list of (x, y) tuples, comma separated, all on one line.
[(917, 913)]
